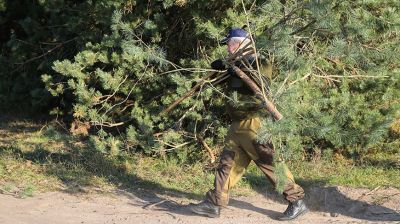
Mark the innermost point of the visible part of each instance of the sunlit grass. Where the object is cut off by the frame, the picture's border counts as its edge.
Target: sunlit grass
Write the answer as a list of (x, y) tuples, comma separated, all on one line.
[(44, 159)]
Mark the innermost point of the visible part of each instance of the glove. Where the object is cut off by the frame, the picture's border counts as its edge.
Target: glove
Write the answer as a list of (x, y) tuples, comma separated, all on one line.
[(218, 65), (231, 71)]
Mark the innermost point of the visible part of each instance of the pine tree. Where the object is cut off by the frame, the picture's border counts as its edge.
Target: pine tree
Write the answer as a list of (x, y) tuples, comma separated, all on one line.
[(335, 77)]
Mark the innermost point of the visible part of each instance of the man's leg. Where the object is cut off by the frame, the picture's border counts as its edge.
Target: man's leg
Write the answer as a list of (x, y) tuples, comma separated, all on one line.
[(292, 191), (233, 162), (263, 156), (231, 169)]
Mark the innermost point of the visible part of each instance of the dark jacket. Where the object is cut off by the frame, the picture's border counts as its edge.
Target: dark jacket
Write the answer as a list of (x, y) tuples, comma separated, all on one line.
[(242, 103)]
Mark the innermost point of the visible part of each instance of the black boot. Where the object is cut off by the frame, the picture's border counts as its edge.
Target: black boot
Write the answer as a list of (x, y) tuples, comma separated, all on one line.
[(205, 208), (294, 209)]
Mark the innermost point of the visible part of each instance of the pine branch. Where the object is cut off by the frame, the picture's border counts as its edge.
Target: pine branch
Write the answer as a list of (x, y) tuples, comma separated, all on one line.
[(107, 124), (304, 27), (21, 64), (172, 147), (268, 104), (284, 19), (209, 150), (116, 90), (188, 94), (232, 58)]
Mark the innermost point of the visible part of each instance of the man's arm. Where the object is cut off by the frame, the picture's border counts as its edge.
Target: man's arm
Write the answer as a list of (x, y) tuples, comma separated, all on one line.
[(257, 91)]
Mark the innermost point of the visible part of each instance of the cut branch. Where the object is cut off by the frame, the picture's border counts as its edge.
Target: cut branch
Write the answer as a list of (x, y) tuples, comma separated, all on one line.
[(284, 19), (253, 86), (189, 93), (42, 55), (107, 124), (209, 150), (230, 59)]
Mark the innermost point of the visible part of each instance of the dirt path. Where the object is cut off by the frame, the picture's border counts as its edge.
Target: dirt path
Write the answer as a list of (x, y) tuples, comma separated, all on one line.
[(329, 205)]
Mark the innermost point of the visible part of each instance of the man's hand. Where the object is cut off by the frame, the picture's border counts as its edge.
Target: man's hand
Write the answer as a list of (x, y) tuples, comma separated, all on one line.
[(218, 65)]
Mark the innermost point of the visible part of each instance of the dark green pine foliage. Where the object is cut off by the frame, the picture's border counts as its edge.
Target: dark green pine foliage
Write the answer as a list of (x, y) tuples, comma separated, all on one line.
[(116, 83), (338, 80), (336, 76), (35, 33), (121, 84)]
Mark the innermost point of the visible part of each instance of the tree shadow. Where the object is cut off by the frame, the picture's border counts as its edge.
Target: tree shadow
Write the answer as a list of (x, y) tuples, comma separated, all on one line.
[(77, 166), (93, 163), (328, 199), (248, 206), (382, 163)]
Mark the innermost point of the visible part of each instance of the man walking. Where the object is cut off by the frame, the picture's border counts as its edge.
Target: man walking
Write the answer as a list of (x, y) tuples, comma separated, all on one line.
[(241, 146)]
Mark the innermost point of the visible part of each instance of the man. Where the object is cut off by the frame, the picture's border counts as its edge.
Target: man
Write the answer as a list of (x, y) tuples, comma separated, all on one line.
[(241, 146)]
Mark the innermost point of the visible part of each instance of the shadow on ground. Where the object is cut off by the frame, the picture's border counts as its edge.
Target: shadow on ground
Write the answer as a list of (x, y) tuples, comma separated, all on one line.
[(91, 162), (332, 200), (322, 199)]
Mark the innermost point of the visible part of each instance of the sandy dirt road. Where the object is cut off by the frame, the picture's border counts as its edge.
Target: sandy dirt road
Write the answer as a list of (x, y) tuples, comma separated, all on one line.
[(328, 205)]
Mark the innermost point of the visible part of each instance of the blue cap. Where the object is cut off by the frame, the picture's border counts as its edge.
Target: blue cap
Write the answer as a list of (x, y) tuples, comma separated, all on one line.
[(234, 32)]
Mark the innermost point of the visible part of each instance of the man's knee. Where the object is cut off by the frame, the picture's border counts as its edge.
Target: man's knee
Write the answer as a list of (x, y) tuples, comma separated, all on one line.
[(265, 152), (227, 158)]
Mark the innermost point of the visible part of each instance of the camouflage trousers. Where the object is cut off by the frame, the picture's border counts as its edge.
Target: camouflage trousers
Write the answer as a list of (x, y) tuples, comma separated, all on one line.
[(240, 149)]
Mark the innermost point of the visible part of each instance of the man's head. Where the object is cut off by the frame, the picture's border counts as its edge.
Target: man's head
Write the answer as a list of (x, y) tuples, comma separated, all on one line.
[(236, 39)]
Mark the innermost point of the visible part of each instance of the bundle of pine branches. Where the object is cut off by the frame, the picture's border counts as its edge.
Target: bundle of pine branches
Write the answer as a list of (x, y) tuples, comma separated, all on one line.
[(335, 76)]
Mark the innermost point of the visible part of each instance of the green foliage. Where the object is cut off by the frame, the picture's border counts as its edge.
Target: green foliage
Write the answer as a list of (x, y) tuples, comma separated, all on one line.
[(116, 84), (335, 78), (2, 5), (34, 34), (118, 64)]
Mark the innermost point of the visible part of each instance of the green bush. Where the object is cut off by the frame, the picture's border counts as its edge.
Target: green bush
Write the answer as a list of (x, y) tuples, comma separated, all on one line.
[(336, 72)]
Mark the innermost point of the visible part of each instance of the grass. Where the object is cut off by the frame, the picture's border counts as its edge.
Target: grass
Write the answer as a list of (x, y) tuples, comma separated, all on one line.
[(36, 158), (171, 175), (333, 173)]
